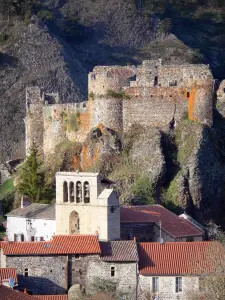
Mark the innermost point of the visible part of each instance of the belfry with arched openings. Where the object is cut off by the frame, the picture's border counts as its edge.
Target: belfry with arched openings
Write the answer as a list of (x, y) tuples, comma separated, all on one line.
[(83, 206)]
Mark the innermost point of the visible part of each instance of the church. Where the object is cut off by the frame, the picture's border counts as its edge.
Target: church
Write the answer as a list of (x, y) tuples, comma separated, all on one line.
[(86, 204)]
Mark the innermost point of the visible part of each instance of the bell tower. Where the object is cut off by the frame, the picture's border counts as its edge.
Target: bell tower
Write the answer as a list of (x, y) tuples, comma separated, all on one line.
[(84, 207)]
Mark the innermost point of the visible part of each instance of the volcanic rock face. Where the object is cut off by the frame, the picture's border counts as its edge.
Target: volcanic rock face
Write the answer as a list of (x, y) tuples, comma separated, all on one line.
[(200, 180), (34, 58)]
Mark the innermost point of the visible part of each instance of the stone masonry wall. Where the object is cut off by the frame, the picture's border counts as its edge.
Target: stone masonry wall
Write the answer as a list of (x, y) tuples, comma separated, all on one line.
[(153, 106), (167, 287), (46, 274), (142, 232), (107, 111), (125, 278), (51, 274), (64, 121)]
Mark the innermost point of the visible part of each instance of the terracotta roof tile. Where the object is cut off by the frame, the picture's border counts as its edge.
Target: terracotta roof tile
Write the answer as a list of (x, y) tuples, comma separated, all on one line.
[(171, 223), (50, 297), (61, 244), (6, 273), (180, 258), (9, 294), (119, 251)]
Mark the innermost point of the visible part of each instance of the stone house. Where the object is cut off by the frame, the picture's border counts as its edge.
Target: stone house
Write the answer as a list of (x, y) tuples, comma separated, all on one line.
[(31, 223), (119, 261), (51, 267), (54, 267), (145, 222), (173, 271)]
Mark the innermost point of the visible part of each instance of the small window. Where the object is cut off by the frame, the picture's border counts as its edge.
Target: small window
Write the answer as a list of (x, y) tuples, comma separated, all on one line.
[(77, 256), (29, 224), (178, 284), (50, 271), (26, 272), (112, 271), (188, 94), (155, 284), (32, 238)]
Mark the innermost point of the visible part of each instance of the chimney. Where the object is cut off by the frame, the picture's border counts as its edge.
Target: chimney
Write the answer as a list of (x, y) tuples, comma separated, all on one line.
[(135, 238), (25, 291), (22, 204)]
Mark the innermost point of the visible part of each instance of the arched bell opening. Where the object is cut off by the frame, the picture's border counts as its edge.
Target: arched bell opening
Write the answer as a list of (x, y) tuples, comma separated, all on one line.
[(65, 191), (71, 186), (78, 192), (86, 192)]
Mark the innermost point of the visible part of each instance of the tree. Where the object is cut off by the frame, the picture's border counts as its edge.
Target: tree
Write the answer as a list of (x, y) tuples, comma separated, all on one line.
[(31, 181)]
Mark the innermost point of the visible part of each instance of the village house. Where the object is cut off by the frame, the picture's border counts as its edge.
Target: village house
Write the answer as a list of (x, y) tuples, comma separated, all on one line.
[(35, 222), (174, 271)]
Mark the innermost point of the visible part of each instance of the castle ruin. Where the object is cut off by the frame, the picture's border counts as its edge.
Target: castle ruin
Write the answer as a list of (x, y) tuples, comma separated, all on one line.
[(152, 94)]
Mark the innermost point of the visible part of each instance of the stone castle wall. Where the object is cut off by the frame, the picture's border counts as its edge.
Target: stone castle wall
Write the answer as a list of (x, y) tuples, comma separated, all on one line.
[(156, 95)]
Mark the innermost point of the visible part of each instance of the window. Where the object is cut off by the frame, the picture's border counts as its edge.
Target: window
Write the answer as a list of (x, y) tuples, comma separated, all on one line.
[(112, 271), (178, 284), (188, 94), (155, 284), (32, 238), (156, 81), (29, 224), (77, 256), (26, 272)]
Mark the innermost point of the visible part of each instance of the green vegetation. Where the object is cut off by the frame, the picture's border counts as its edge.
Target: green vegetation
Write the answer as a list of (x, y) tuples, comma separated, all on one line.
[(73, 122), (45, 15), (91, 95), (117, 95), (32, 179), (6, 188), (143, 191)]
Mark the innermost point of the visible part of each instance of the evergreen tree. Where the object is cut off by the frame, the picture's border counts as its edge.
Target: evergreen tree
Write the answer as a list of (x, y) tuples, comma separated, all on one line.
[(31, 181)]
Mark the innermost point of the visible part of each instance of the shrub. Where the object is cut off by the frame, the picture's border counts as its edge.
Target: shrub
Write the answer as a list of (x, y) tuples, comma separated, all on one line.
[(45, 15), (118, 95), (143, 190)]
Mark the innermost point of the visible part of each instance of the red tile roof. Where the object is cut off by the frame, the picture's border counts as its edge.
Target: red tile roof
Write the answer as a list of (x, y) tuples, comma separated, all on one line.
[(171, 223), (180, 258), (50, 297), (119, 251), (6, 273), (9, 294), (61, 244)]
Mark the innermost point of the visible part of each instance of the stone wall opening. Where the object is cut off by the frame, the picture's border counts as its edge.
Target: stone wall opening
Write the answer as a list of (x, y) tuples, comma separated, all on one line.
[(86, 192), (74, 223), (71, 192)]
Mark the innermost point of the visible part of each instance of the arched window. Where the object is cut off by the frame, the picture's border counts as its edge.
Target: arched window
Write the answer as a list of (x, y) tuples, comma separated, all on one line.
[(71, 192), (86, 192), (78, 192), (65, 192), (74, 225)]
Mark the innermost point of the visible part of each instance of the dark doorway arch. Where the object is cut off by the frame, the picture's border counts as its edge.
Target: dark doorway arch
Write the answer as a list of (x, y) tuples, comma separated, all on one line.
[(74, 225)]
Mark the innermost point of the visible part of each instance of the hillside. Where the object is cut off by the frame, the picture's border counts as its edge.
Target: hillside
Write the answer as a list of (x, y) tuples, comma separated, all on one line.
[(54, 44), (71, 37)]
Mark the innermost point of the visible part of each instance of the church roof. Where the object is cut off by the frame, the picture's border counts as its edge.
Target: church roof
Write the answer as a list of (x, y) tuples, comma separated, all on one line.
[(119, 251), (171, 223), (60, 244), (180, 258), (34, 211)]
